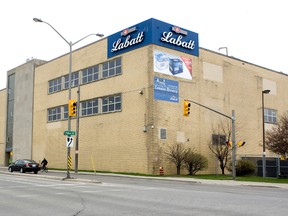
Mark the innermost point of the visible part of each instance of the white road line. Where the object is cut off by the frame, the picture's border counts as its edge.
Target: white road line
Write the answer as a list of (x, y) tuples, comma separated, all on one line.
[(27, 195), (100, 191)]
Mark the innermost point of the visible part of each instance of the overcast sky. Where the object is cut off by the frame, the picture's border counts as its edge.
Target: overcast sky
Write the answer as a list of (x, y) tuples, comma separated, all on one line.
[(252, 30)]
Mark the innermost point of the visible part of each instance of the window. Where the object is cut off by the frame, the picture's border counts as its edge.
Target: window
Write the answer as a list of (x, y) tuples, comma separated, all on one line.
[(90, 74), (65, 108), (270, 116), (218, 139), (89, 107), (111, 68), (111, 103), (54, 114), (55, 85), (163, 133), (74, 80)]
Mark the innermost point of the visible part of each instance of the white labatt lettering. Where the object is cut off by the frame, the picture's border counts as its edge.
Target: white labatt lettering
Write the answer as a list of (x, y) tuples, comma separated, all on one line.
[(119, 44), (167, 37)]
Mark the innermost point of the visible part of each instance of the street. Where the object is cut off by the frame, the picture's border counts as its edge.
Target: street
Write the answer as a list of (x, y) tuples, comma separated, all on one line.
[(44, 194)]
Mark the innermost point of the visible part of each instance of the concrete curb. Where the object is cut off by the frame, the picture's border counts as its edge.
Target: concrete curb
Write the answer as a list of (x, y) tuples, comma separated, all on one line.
[(188, 180)]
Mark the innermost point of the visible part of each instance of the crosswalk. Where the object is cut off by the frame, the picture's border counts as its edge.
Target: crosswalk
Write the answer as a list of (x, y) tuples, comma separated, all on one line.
[(24, 186), (21, 186)]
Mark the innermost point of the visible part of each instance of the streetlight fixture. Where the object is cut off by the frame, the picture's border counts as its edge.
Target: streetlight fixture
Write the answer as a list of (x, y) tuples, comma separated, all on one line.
[(226, 48), (69, 79), (263, 121)]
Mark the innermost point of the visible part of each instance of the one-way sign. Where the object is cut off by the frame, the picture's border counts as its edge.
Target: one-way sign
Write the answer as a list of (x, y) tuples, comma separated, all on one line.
[(69, 141)]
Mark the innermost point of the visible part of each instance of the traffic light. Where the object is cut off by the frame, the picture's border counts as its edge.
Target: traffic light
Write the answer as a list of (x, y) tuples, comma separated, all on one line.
[(187, 106), (229, 143), (241, 143), (72, 105)]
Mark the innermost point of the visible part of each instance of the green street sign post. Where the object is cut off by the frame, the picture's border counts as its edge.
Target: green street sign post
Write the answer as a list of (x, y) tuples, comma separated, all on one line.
[(69, 133)]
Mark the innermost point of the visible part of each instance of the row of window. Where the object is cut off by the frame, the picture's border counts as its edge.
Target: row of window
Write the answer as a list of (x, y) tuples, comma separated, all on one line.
[(113, 103), (94, 106), (91, 74)]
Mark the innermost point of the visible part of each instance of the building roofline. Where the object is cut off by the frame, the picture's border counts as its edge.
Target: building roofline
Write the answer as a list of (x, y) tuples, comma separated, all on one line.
[(246, 62)]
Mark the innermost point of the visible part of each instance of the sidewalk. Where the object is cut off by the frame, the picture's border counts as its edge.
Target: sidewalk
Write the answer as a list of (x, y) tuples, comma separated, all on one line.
[(206, 181), (86, 177)]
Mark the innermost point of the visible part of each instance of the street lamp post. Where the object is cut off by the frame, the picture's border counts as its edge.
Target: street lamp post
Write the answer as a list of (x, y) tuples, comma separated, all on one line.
[(77, 130), (263, 127), (69, 79), (233, 145)]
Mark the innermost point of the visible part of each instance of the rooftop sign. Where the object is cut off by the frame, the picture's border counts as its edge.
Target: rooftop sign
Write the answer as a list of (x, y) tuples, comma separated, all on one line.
[(156, 32)]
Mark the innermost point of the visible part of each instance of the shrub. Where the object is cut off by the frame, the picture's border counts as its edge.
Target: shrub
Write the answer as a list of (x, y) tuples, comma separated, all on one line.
[(245, 168), (195, 162)]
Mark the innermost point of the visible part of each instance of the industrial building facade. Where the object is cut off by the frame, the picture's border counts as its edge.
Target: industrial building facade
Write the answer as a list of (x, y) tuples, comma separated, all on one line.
[(130, 87)]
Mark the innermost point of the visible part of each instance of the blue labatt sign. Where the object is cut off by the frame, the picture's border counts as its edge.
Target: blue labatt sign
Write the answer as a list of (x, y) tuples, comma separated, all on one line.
[(153, 31)]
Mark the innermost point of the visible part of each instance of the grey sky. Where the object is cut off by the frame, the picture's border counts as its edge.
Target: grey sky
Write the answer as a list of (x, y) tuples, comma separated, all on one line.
[(254, 31)]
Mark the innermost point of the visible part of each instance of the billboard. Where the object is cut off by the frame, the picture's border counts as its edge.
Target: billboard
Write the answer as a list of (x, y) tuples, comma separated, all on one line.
[(172, 65)]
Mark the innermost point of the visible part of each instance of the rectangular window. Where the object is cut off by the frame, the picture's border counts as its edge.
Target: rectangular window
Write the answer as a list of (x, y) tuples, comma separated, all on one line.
[(111, 103), (90, 74), (218, 139), (270, 116), (163, 133), (55, 85), (74, 80), (54, 114), (89, 107), (112, 68), (65, 108)]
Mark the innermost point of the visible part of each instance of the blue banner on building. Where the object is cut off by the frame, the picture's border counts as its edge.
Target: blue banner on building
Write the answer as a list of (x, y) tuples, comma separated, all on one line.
[(153, 31), (167, 90)]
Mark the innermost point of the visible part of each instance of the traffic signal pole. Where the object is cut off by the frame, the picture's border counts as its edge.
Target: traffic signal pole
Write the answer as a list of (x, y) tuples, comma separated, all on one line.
[(232, 118)]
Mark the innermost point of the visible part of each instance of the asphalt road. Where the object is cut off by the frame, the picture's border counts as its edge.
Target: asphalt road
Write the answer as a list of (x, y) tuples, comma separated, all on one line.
[(88, 194)]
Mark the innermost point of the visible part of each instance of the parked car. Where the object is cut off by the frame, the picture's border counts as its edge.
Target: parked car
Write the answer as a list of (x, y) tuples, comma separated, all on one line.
[(24, 165)]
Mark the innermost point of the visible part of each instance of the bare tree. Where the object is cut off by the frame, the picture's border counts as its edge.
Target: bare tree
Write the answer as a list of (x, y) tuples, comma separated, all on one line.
[(177, 154), (221, 148), (277, 137)]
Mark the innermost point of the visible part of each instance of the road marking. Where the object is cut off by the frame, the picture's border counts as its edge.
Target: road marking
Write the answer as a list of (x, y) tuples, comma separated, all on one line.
[(27, 195), (102, 191)]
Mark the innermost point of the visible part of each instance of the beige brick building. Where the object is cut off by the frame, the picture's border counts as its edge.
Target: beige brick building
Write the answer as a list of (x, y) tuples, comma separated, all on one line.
[(131, 104)]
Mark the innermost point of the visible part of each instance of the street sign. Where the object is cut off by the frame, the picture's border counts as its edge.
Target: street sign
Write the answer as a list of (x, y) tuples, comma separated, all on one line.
[(69, 133), (69, 141)]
